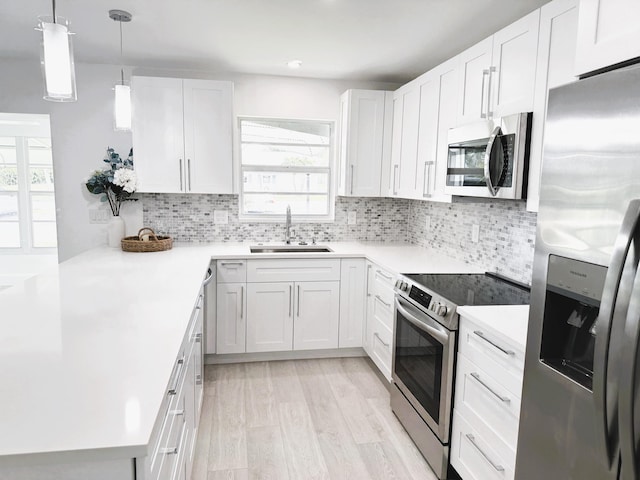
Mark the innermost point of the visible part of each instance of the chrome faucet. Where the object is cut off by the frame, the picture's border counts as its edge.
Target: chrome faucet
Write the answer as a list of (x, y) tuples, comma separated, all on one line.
[(287, 237)]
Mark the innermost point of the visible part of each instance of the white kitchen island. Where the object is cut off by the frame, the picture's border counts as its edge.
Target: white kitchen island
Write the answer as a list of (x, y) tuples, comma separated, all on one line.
[(88, 351)]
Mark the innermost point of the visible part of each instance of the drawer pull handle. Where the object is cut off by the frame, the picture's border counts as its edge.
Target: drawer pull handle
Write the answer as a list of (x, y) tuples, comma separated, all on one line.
[(197, 337), (381, 341), (387, 304), (169, 451), (502, 398), (177, 412), (231, 263), (174, 389), (506, 352), (198, 379), (472, 439), (388, 277)]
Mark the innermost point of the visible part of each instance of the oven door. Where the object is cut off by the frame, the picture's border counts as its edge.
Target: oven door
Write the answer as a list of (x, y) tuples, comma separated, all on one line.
[(423, 362)]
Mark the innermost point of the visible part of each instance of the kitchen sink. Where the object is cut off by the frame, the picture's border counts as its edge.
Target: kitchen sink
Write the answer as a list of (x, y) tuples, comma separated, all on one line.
[(289, 249)]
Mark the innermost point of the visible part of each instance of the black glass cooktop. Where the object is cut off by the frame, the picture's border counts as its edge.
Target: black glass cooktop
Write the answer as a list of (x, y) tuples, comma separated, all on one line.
[(473, 289)]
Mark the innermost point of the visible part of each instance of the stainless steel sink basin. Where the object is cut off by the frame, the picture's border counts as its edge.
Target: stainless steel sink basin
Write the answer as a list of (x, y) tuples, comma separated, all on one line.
[(289, 249)]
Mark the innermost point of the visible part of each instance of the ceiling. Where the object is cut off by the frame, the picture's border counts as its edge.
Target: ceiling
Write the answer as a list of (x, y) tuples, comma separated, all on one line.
[(382, 40)]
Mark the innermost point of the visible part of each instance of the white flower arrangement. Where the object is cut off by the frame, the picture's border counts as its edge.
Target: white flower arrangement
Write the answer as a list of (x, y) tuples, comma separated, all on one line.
[(126, 178), (116, 183)]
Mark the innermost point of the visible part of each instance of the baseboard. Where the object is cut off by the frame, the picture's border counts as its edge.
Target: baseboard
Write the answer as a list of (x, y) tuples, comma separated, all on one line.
[(290, 355)]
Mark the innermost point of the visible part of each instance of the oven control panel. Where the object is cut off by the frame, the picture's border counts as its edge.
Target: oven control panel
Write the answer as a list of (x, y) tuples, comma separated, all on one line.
[(437, 307)]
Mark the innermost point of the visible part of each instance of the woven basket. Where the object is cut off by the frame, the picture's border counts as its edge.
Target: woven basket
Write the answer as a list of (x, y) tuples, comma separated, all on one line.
[(156, 243)]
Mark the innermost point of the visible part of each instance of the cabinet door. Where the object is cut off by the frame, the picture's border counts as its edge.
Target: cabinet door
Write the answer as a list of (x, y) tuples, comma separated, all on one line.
[(556, 54), (514, 61), (343, 143), (231, 325), (208, 130), (447, 74), (352, 302), (396, 145), (157, 130), (408, 174), (269, 317), (427, 134), (474, 65), (317, 311), (608, 33), (364, 138)]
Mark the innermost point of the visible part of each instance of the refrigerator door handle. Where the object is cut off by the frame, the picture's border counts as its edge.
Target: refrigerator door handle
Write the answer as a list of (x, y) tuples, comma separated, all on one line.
[(488, 159), (629, 436), (612, 312)]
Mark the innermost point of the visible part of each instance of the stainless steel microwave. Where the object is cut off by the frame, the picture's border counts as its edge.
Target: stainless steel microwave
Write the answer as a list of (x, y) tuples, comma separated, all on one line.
[(490, 158)]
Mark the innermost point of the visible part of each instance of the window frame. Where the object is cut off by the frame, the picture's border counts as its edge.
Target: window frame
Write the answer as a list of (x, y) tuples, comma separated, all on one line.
[(25, 200), (329, 170)]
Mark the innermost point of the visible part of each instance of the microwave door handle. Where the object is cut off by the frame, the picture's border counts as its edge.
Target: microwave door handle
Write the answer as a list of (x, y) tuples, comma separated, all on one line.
[(628, 389), (488, 158), (606, 421)]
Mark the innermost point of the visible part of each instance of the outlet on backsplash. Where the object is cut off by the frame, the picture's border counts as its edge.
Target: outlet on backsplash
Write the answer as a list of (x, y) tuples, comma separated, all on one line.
[(427, 223), (475, 233), (220, 217)]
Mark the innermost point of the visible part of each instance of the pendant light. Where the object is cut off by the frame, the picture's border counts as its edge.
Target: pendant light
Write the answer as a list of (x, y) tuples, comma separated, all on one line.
[(122, 106), (56, 58)]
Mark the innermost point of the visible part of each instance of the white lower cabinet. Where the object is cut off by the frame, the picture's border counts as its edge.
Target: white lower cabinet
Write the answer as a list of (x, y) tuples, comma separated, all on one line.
[(231, 323), (352, 302), (486, 409), (379, 318), (269, 317), (317, 311)]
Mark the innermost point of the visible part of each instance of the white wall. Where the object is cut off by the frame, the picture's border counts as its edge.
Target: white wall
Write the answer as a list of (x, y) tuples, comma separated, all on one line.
[(81, 131)]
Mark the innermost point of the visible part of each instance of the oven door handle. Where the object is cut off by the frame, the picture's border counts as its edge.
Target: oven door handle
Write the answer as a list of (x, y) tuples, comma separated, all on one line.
[(430, 326)]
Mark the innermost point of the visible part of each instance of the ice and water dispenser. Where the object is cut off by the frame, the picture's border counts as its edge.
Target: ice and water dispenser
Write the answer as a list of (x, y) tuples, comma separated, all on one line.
[(574, 290)]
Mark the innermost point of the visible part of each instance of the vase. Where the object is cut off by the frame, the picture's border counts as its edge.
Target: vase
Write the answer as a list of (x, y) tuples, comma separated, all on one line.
[(115, 231)]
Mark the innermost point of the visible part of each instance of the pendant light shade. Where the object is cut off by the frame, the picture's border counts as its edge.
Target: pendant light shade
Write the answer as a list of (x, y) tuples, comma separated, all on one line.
[(56, 57), (123, 107)]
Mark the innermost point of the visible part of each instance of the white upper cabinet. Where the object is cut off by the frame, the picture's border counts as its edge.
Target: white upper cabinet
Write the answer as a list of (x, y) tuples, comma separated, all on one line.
[(208, 134), (608, 33), (364, 116), (475, 65), (497, 75), (182, 135), (556, 55), (404, 149)]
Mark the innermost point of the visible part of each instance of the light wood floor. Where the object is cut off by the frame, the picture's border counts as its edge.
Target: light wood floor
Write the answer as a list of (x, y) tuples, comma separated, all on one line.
[(302, 420)]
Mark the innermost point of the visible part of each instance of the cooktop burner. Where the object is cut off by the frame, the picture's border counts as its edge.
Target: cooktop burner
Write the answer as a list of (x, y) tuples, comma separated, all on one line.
[(473, 288)]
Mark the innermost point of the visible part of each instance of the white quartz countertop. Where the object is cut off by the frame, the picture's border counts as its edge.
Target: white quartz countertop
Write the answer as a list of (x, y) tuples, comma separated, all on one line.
[(87, 348), (508, 321)]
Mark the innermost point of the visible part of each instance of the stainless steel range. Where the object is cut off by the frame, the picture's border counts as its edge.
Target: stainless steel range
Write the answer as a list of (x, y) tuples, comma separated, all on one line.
[(424, 347)]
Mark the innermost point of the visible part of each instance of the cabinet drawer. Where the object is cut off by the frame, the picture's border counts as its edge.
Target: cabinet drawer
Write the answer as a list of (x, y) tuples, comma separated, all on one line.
[(293, 270), (480, 397), (383, 311), (383, 280), (493, 354), (473, 456), (232, 271), (381, 338)]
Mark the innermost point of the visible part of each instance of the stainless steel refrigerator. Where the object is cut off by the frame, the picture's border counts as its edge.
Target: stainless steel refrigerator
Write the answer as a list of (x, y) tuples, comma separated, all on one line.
[(580, 415)]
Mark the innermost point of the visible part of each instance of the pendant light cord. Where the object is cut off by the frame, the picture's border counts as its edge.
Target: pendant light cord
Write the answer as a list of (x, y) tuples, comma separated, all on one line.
[(54, 11), (121, 58)]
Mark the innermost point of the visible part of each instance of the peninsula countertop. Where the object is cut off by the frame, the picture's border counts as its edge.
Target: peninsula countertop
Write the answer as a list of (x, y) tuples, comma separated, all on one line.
[(88, 347)]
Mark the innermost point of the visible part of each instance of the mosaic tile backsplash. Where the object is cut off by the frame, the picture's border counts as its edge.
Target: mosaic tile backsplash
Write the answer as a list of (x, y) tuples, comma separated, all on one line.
[(507, 233), (189, 218), (506, 240)]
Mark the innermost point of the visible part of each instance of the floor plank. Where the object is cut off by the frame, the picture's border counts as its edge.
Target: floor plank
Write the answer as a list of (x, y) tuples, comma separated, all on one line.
[(228, 448), (302, 451), (260, 401), (265, 454), (360, 418), (383, 461), (203, 441), (285, 381), (239, 474)]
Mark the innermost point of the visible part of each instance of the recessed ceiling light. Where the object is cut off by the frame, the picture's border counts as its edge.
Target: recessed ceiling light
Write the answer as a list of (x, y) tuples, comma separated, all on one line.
[(294, 64)]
